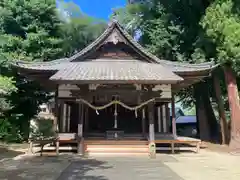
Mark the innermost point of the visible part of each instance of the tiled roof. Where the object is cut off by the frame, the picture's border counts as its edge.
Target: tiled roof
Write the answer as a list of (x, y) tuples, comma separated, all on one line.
[(45, 66), (132, 71), (55, 65), (61, 63)]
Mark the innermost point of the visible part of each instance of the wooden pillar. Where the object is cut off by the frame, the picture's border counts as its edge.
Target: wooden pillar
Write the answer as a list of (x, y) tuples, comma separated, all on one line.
[(174, 130), (57, 147), (144, 122), (60, 117), (115, 117), (221, 111), (234, 106), (86, 118), (164, 120), (55, 121), (167, 117), (152, 147), (80, 129), (64, 117), (159, 119), (68, 117)]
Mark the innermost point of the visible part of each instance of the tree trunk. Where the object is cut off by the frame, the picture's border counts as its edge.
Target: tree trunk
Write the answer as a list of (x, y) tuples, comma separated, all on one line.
[(202, 124), (233, 99), (211, 118), (221, 111), (208, 127)]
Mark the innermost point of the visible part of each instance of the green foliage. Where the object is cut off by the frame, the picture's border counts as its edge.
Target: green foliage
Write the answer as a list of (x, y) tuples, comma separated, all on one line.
[(171, 30), (6, 85), (79, 29), (222, 25), (42, 129), (29, 30), (9, 132), (35, 30), (130, 16), (78, 33)]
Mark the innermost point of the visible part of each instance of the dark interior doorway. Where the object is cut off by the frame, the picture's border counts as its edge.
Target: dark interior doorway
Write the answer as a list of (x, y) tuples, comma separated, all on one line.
[(103, 120), (74, 117), (129, 121), (100, 121)]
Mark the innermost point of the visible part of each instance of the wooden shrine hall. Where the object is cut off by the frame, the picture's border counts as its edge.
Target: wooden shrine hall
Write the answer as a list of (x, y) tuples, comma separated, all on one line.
[(114, 92)]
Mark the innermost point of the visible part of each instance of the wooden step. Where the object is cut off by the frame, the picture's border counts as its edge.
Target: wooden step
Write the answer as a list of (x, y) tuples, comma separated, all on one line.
[(64, 148), (116, 146), (116, 142), (121, 148), (117, 149), (114, 154)]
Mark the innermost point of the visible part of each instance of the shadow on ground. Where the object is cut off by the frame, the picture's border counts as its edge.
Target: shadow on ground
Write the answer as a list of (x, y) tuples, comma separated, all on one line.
[(64, 167), (82, 169), (74, 167), (6, 153)]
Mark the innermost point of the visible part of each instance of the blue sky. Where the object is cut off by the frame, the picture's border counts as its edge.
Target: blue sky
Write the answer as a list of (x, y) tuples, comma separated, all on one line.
[(99, 8)]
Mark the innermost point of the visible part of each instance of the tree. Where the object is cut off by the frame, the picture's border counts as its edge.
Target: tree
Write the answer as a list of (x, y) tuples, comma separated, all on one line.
[(36, 30), (30, 30), (79, 29), (80, 32), (171, 30), (222, 25)]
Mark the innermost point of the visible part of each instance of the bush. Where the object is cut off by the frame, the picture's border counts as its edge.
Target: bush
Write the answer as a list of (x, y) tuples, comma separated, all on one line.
[(9, 132), (41, 129)]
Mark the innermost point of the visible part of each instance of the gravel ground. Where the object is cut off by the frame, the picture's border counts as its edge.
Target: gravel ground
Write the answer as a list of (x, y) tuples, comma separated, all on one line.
[(182, 166)]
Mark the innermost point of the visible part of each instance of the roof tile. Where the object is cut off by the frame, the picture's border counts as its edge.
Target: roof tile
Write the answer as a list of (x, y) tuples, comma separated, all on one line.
[(115, 71)]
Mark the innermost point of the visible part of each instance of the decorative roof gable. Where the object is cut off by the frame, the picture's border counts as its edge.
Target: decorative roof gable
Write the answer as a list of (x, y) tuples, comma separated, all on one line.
[(115, 34)]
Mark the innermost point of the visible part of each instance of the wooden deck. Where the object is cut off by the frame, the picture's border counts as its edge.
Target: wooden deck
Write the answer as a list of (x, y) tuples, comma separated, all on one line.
[(168, 139), (130, 142)]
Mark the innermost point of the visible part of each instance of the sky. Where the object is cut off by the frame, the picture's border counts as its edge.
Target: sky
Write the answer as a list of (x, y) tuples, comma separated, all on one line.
[(99, 8)]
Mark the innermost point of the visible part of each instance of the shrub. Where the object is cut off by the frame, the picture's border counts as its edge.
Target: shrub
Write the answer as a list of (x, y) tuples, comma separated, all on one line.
[(9, 132), (41, 129)]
